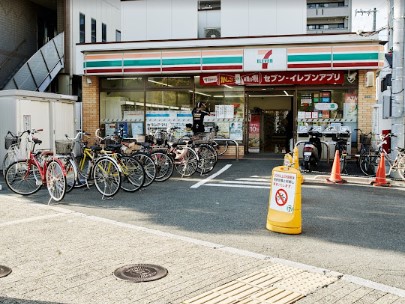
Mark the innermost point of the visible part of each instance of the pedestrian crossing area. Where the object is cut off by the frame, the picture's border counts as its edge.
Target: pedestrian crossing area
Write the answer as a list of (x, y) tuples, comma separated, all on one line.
[(261, 182)]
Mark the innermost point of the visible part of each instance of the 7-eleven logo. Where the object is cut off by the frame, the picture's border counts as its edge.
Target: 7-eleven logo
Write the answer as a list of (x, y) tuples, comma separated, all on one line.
[(266, 60)]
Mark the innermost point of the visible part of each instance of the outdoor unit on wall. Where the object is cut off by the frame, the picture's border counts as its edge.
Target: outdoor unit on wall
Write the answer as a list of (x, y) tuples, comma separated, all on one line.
[(212, 32), (369, 79)]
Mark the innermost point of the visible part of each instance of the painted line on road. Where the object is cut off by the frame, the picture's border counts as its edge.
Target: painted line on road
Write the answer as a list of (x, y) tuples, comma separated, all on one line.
[(237, 186), (200, 183), (31, 219)]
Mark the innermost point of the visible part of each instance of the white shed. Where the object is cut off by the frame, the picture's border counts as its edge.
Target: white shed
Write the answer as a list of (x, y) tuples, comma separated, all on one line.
[(22, 110)]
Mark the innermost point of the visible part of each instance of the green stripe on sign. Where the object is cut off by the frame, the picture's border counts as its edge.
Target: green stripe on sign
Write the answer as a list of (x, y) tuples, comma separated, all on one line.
[(311, 57), (145, 62), (216, 60), (357, 56), (99, 64), (181, 61)]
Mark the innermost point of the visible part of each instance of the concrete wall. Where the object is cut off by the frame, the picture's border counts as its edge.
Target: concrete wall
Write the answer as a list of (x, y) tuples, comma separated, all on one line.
[(159, 19), (180, 19), (18, 35), (262, 17)]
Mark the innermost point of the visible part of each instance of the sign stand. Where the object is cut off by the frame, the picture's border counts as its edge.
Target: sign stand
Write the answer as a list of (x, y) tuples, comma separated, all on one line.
[(284, 213)]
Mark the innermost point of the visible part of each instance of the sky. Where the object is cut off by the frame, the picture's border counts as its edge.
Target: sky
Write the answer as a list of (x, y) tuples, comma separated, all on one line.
[(365, 22)]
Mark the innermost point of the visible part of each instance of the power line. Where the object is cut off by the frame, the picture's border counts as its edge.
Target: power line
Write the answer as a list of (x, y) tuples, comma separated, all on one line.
[(368, 12)]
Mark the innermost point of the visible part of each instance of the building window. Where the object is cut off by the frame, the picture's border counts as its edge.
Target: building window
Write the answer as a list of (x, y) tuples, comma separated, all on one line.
[(209, 5), (117, 35), (104, 32), (82, 28), (93, 30)]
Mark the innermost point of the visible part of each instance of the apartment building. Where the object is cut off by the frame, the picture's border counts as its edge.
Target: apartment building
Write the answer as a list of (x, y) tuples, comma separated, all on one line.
[(329, 16)]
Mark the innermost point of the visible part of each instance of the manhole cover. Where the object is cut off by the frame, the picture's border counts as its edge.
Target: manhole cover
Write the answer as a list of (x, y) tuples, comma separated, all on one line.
[(140, 272), (4, 271)]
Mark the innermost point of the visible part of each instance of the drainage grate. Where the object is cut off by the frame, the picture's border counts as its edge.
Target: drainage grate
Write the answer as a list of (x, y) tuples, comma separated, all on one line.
[(4, 271), (140, 273)]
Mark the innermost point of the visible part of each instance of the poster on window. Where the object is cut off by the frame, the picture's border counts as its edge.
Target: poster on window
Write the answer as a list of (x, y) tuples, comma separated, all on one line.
[(254, 134), (137, 128), (235, 131), (224, 111)]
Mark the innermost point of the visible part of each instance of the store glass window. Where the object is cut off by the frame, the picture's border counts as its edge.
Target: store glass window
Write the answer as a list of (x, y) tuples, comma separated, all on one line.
[(226, 104)]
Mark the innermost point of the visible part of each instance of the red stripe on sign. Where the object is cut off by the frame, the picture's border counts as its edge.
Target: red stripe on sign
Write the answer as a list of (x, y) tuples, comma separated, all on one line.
[(356, 64), (140, 70), (306, 65), (225, 67), (101, 71)]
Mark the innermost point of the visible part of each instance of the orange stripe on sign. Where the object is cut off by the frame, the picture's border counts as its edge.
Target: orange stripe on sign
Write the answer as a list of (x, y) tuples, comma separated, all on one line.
[(222, 52), (356, 48), (102, 56), (181, 54), (142, 55), (307, 50)]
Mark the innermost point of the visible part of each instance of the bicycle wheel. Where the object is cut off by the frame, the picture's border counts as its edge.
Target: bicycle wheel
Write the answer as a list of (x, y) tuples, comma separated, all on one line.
[(71, 173), (164, 166), (221, 146), (55, 180), (6, 162), (133, 174), (367, 164), (107, 176), (206, 159), (23, 178), (401, 167), (148, 165), (187, 163)]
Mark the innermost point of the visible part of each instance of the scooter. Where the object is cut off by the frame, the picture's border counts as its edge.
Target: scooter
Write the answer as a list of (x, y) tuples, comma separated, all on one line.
[(312, 150)]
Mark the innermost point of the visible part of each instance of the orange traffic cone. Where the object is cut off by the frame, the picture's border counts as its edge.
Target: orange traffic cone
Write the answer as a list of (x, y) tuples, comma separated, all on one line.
[(335, 175), (380, 179)]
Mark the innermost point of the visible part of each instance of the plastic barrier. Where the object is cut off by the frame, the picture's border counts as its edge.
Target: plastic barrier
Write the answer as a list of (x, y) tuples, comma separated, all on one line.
[(284, 213)]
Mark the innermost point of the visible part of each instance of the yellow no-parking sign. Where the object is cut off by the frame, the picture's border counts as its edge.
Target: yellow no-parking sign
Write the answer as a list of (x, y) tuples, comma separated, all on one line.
[(285, 201), (283, 191)]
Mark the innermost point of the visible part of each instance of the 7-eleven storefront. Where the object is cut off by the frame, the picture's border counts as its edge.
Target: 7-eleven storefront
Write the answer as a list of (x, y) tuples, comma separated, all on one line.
[(248, 89)]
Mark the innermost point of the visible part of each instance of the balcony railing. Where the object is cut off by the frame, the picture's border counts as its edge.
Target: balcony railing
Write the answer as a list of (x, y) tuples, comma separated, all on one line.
[(39, 71)]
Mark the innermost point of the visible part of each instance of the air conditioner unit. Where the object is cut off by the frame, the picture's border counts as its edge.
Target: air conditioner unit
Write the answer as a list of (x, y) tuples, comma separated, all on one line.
[(212, 32)]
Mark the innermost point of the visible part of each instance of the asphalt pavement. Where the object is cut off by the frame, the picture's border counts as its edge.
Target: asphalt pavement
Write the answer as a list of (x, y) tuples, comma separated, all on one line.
[(60, 255)]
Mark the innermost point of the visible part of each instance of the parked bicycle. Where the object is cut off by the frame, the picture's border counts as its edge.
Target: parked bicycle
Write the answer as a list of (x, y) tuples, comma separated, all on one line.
[(26, 177), (371, 160), (92, 167), (365, 153), (341, 146)]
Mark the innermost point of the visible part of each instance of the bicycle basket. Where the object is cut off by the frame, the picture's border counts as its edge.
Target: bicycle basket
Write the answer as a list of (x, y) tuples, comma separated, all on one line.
[(365, 139), (10, 140), (63, 146)]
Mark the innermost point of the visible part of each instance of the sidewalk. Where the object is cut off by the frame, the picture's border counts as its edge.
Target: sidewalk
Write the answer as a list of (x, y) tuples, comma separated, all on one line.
[(60, 256)]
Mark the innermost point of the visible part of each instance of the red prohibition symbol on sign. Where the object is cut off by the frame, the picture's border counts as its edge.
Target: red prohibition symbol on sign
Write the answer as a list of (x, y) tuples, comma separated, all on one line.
[(281, 197)]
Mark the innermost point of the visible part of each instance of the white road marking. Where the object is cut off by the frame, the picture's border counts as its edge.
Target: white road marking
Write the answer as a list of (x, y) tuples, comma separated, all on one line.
[(200, 183)]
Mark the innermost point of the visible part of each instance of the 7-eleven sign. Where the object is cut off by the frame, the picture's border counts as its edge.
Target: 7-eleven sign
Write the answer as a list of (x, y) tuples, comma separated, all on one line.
[(271, 59)]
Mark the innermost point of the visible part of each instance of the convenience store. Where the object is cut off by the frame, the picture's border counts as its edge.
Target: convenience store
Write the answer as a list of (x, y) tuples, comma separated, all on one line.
[(249, 85)]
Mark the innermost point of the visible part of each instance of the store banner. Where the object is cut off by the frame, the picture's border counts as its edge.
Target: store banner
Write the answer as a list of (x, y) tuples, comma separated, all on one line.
[(254, 133), (273, 78)]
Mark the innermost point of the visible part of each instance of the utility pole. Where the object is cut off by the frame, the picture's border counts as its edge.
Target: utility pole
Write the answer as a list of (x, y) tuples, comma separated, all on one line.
[(368, 12), (398, 74)]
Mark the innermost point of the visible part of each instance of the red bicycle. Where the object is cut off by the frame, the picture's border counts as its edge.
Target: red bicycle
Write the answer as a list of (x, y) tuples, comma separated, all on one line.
[(27, 176)]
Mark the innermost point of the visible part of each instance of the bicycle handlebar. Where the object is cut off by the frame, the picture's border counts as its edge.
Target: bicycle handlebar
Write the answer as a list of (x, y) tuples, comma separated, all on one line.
[(102, 138), (79, 134)]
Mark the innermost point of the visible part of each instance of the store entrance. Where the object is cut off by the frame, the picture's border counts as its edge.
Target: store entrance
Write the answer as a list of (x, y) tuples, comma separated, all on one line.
[(270, 125)]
